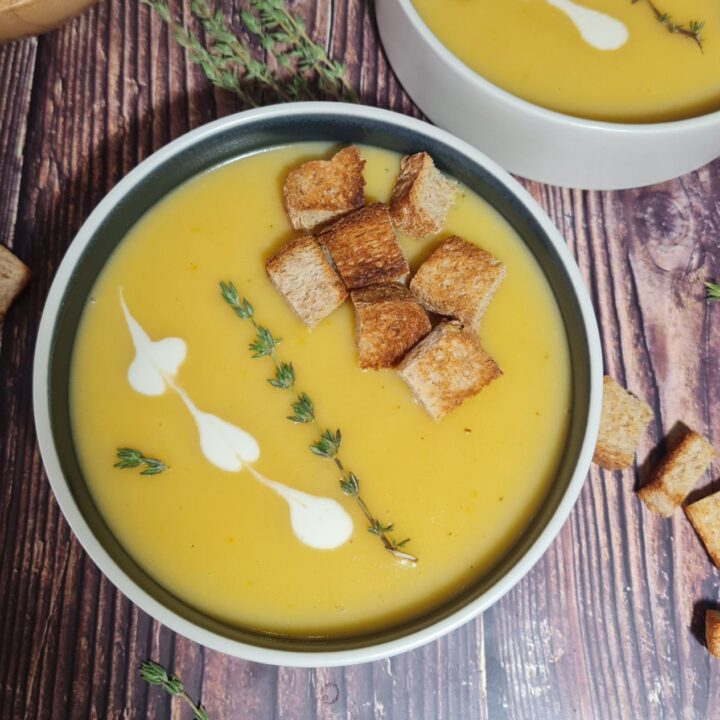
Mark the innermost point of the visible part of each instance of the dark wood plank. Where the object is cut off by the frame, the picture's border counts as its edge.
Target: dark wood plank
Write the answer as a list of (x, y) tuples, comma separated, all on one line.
[(605, 626)]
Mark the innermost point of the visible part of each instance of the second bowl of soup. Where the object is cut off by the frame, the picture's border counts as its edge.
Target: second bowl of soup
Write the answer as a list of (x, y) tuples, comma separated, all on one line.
[(595, 93)]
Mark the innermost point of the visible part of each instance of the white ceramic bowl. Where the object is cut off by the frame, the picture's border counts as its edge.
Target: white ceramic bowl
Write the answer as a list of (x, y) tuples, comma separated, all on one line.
[(210, 146), (527, 139)]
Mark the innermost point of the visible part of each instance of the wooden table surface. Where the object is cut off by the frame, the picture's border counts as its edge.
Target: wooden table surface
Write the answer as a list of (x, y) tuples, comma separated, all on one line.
[(607, 625)]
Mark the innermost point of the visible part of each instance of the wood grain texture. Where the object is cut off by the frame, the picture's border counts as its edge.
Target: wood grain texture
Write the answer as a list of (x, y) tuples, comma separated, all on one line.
[(606, 626)]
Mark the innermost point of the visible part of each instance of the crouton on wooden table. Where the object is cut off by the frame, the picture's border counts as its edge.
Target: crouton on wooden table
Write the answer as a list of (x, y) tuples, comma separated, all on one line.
[(705, 518), (389, 321), (623, 420), (421, 198), (364, 249), (14, 275), (712, 632), (321, 190), (677, 474), (447, 368), (458, 280), (305, 278)]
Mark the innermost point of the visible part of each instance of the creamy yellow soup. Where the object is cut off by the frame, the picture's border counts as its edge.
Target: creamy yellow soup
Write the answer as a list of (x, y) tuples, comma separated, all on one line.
[(534, 50), (462, 489)]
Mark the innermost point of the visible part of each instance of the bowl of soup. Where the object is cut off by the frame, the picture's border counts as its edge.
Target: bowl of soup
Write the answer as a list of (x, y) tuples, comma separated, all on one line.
[(231, 555), (597, 94), (23, 18)]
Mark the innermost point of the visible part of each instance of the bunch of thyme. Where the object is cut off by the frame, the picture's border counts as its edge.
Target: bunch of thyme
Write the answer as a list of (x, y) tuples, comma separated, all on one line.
[(303, 412), (305, 70), (156, 674), (692, 30)]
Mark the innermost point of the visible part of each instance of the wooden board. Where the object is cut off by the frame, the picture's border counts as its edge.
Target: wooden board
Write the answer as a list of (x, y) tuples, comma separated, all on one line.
[(607, 625)]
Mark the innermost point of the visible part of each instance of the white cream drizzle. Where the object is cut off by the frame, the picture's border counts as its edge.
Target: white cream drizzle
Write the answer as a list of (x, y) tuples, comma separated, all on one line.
[(597, 29), (319, 522)]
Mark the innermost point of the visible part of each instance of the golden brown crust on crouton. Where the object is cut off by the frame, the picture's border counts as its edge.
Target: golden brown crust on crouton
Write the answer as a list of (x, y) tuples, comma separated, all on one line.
[(705, 518), (421, 198), (677, 474), (712, 632), (321, 190), (364, 249), (458, 280), (447, 368), (14, 275), (624, 419), (389, 321), (302, 274)]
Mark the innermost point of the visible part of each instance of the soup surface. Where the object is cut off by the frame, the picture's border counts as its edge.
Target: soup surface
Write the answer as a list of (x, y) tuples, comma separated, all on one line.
[(462, 489), (534, 49)]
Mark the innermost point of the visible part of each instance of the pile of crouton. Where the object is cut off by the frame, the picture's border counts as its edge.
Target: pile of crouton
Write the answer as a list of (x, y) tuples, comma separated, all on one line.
[(624, 419), (425, 327)]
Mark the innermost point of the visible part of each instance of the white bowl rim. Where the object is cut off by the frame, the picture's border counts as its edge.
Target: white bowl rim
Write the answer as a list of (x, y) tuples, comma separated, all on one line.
[(470, 75), (216, 641)]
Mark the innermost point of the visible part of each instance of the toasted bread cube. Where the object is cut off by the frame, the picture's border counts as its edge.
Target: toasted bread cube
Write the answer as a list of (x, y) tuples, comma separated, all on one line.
[(623, 420), (712, 632), (458, 280), (364, 248), (14, 275), (677, 474), (705, 518), (389, 321), (322, 190), (303, 275), (447, 368), (421, 198)]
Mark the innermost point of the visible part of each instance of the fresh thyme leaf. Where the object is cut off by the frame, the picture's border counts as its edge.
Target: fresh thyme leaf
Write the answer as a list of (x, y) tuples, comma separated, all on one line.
[(303, 410), (328, 446), (712, 291), (377, 528), (129, 458), (284, 376), (155, 674), (264, 343), (350, 484)]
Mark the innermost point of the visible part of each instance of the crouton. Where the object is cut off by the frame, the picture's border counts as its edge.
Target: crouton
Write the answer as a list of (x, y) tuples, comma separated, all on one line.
[(712, 632), (389, 321), (364, 248), (705, 518), (623, 420), (677, 474), (421, 197), (458, 280), (447, 368), (13, 278), (322, 190), (302, 274)]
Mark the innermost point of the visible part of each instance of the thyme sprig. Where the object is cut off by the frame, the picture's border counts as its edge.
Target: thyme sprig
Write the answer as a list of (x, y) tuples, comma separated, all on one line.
[(156, 674), (303, 71), (303, 412), (284, 35), (692, 30), (129, 458), (712, 291)]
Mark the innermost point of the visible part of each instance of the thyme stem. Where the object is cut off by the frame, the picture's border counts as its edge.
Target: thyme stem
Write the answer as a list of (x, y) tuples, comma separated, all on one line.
[(692, 31), (328, 446)]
